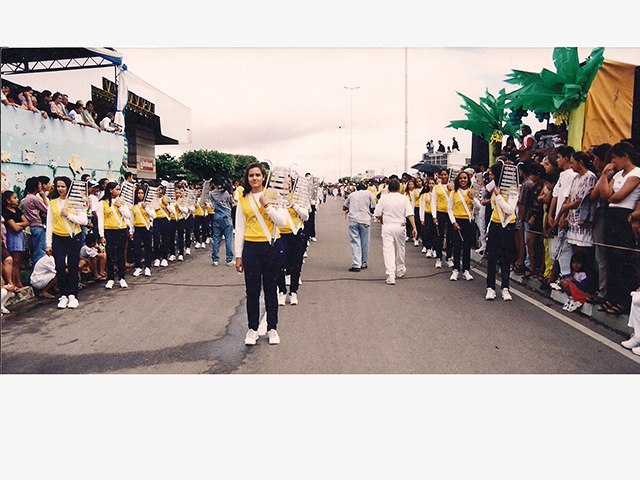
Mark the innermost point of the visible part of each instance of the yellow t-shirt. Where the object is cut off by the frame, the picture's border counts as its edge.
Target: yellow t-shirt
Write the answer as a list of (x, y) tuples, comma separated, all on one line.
[(253, 230), (59, 227), (112, 217)]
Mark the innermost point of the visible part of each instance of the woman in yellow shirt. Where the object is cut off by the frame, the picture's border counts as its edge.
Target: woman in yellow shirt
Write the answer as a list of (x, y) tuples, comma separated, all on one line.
[(140, 232), (501, 239), (63, 241), (439, 212), (113, 214), (161, 229), (258, 251), (460, 210), (199, 218), (426, 219)]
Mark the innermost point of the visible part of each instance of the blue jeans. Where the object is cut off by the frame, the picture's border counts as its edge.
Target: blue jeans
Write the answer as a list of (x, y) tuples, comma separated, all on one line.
[(222, 225), (39, 238), (359, 234)]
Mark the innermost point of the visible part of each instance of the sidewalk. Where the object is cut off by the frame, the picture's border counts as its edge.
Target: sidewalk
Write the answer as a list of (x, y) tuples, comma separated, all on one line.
[(618, 323)]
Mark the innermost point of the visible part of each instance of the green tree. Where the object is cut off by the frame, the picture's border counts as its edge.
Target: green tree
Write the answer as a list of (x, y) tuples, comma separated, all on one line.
[(168, 167), (206, 163), (242, 162)]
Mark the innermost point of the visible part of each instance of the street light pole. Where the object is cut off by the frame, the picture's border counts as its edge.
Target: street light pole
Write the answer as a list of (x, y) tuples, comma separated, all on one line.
[(340, 127), (351, 133)]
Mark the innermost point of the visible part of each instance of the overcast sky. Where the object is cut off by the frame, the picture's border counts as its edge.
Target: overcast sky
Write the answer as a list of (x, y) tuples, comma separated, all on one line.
[(287, 104)]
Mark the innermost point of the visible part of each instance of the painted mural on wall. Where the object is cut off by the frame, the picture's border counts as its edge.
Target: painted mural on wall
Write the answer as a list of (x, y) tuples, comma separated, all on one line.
[(33, 146)]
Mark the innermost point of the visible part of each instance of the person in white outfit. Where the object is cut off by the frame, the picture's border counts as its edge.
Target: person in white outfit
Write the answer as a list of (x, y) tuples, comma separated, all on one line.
[(393, 210)]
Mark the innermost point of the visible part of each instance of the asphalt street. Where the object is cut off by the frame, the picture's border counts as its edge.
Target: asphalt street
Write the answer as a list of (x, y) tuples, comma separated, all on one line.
[(190, 318)]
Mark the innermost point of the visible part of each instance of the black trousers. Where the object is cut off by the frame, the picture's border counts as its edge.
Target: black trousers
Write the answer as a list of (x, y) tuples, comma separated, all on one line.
[(462, 246), (310, 224), (180, 231), (622, 265), (501, 246), (142, 236), (261, 262), (171, 238), (293, 247), (188, 229), (442, 230), (161, 238), (428, 231), (116, 240), (66, 249), (199, 229)]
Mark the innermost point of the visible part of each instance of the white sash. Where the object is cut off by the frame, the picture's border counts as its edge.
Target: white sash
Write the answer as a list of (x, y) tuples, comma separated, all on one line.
[(504, 221), (142, 212), (292, 225), (260, 218), (116, 212), (464, 204), (65, 222)]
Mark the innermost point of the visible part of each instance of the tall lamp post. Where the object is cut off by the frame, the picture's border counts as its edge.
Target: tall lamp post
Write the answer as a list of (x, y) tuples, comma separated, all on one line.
[(351, 133)]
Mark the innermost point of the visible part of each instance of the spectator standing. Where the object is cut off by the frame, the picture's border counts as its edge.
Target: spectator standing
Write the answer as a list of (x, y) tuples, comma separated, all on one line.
[(454, 145), (359, 207), (34, 210), (222, 224), (441, 147), (87, 115), (15, 223)]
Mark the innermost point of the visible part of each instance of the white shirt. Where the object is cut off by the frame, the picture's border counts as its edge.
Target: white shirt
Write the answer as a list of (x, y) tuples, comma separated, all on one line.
[(394, 208), (360, 204), (618, 181), (562, 188), (43, 272)]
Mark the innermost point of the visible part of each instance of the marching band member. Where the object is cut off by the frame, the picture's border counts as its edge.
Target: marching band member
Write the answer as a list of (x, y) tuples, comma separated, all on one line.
[(294, 244), (413, 194), (258, 251), (440, 214), (199, 219), (112, 226), (209, 211), (460, 209), (140, 232), (426, 219), (63, 241), (161, 229), (173, 227), (501, 238), (182, 210)]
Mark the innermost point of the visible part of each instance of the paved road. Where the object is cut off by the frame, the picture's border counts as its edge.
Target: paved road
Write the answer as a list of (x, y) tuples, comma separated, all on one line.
[(190, 318)]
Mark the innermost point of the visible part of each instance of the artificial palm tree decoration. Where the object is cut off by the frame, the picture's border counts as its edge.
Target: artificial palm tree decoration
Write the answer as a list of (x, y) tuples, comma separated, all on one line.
[(561, 93), (488, 119)]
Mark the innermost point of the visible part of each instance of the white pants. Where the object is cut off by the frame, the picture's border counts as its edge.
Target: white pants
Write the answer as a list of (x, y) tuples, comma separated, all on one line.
[(393, 247), (634, 315)]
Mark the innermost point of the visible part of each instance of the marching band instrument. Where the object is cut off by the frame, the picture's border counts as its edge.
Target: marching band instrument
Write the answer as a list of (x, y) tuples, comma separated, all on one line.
[(206, 188), (170, 191), (77, 196), (509, 180), (315, 184), (151, 197), (127, 192), (453, 173), (302, 192), (278, 187)]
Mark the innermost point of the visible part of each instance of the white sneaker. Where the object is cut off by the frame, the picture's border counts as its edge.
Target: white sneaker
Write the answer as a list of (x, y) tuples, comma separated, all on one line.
[(433, 253), (305, 255), (293, 299), (262, 327), (274, 338), (416, 243), (454, 275), (156, 262), (63, 302), (491, 294), (282, 298), (438, 263), (215, 264), (313, 239), (147, 272), (164, 262), (506, 295), (180, 258), (636, 350), (208, 240), (231, 263), (137, 272), (109, 284), (466, 275), (251, 338), (123, 283), (287, 280), (566, 304), (300, 281), (633, 342), (73, 302), (187, 251), (573, 306), (400, 273), (390, 281), (424, 250), (555, 286), (450, 262), (5, 310), (172, 258), (197, 245)]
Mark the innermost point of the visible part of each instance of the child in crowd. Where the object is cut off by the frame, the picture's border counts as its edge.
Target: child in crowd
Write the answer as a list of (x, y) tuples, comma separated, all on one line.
[(582, 284), (91, 260)]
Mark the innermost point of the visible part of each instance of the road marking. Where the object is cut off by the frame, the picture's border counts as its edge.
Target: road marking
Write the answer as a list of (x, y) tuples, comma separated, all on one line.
[(572, 323)]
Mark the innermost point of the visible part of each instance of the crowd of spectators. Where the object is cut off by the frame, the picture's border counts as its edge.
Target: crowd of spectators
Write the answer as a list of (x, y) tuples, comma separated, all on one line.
[(56, 106)]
